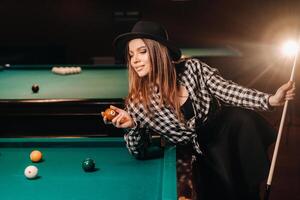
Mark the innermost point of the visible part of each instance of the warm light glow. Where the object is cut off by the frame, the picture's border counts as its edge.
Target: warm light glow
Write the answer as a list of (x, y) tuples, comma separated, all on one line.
[(290, 48)]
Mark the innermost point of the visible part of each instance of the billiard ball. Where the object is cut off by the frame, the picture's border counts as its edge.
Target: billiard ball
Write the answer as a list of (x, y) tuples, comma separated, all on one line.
[(110, 114), (31, 172), (35, 88), (88, 165), (36, 156)]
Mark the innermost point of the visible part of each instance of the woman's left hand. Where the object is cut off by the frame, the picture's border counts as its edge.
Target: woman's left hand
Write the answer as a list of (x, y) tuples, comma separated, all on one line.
[(123, 119), (284, 93)]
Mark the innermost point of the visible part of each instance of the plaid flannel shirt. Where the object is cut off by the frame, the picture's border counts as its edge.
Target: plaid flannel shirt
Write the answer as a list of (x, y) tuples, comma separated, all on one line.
[(202, 82)]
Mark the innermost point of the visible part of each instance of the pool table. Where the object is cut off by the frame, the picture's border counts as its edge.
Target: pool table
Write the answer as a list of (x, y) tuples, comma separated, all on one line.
[(117, 176), (64, 104)]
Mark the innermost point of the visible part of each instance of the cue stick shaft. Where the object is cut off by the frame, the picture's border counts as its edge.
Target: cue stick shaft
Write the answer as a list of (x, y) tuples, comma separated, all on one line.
[(277, 144), (275, 153)]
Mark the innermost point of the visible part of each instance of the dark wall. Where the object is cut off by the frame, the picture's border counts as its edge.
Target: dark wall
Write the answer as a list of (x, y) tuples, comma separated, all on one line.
[(75, 31), (78, 30)]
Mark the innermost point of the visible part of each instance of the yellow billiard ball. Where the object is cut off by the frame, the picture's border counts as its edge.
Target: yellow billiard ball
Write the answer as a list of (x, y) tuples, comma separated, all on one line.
[(36, 156)]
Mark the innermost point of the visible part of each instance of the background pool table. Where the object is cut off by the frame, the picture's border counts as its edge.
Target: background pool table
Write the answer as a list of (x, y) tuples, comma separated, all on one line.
[(65, 104), (118, 175), (94, 82)]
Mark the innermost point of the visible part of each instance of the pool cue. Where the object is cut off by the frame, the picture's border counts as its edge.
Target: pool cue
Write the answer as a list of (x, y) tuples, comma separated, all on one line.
[(274, 158)]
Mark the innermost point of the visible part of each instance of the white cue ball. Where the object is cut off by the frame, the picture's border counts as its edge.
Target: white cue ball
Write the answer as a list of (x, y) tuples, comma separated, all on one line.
[(31, 172)]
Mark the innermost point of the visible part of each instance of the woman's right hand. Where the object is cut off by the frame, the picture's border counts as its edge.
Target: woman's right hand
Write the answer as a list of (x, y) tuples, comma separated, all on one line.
[(122, 120), (286, 92)]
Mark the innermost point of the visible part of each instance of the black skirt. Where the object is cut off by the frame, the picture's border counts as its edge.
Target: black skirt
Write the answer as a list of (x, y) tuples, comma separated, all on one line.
[(234, 161)]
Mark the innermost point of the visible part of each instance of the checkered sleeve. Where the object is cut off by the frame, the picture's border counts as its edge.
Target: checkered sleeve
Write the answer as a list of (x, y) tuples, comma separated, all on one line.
[(165, 122), (137, 140), (232, 93), (162, 121), (135, 137)]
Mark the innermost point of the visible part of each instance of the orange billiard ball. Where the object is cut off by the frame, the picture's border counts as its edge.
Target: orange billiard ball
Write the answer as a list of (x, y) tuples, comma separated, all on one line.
[(36, 156), (110, 114)]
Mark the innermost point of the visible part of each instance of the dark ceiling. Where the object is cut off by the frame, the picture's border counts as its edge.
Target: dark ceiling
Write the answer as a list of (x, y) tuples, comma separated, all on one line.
[(53, 31)]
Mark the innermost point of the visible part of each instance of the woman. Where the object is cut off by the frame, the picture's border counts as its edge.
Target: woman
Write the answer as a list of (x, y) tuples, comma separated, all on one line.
[(189, 103)]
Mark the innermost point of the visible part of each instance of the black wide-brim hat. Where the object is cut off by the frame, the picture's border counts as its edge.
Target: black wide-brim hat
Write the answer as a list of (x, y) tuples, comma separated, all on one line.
[(149, 30)]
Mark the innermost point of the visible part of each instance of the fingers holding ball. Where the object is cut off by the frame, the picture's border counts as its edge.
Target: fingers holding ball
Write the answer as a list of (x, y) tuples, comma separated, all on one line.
[(110, 114)]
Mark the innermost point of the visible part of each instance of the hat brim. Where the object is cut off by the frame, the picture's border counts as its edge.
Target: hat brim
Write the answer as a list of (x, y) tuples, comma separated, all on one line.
[(121, 41)]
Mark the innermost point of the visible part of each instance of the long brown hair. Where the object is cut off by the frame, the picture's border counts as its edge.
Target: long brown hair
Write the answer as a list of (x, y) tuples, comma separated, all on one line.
[(162, 74)]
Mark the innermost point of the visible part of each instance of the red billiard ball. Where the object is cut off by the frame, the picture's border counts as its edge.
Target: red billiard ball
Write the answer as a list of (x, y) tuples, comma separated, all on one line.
[(110, 114), (35, 88), (88, 165)]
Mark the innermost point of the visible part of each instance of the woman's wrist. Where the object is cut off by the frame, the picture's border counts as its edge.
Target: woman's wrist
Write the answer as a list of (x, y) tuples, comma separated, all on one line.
[(272, 101), (132, 125)]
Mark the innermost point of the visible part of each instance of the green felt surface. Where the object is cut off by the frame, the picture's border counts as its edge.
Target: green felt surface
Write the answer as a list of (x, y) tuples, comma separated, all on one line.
[(91, 83), (118, 174)]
